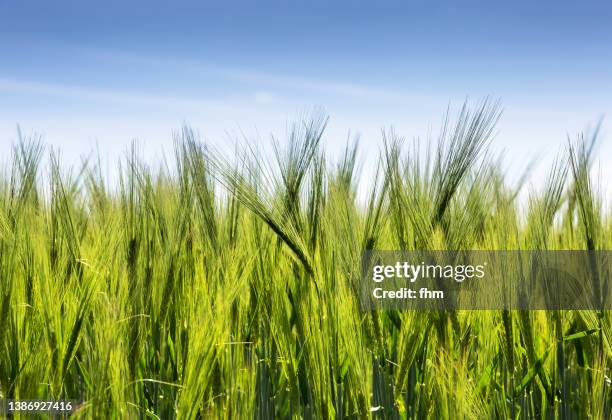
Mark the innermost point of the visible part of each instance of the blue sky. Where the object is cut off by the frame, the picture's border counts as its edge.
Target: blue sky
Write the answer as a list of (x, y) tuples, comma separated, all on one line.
[(83, 74)]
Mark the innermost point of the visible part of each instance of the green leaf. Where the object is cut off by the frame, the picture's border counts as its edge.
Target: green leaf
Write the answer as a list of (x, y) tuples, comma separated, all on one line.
[(580, 334), (533, 371), (487, 376)]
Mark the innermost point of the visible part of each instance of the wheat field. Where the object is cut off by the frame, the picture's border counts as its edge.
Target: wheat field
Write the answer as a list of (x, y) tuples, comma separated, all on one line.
[(227, 287)]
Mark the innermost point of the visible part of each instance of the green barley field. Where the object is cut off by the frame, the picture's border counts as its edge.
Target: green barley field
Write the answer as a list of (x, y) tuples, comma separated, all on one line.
[(226, 286)]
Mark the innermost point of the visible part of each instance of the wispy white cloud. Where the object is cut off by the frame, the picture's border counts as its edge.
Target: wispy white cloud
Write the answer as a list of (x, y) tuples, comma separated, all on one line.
[(265, 87), (263, 97), (267, 78), (106, 95)]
